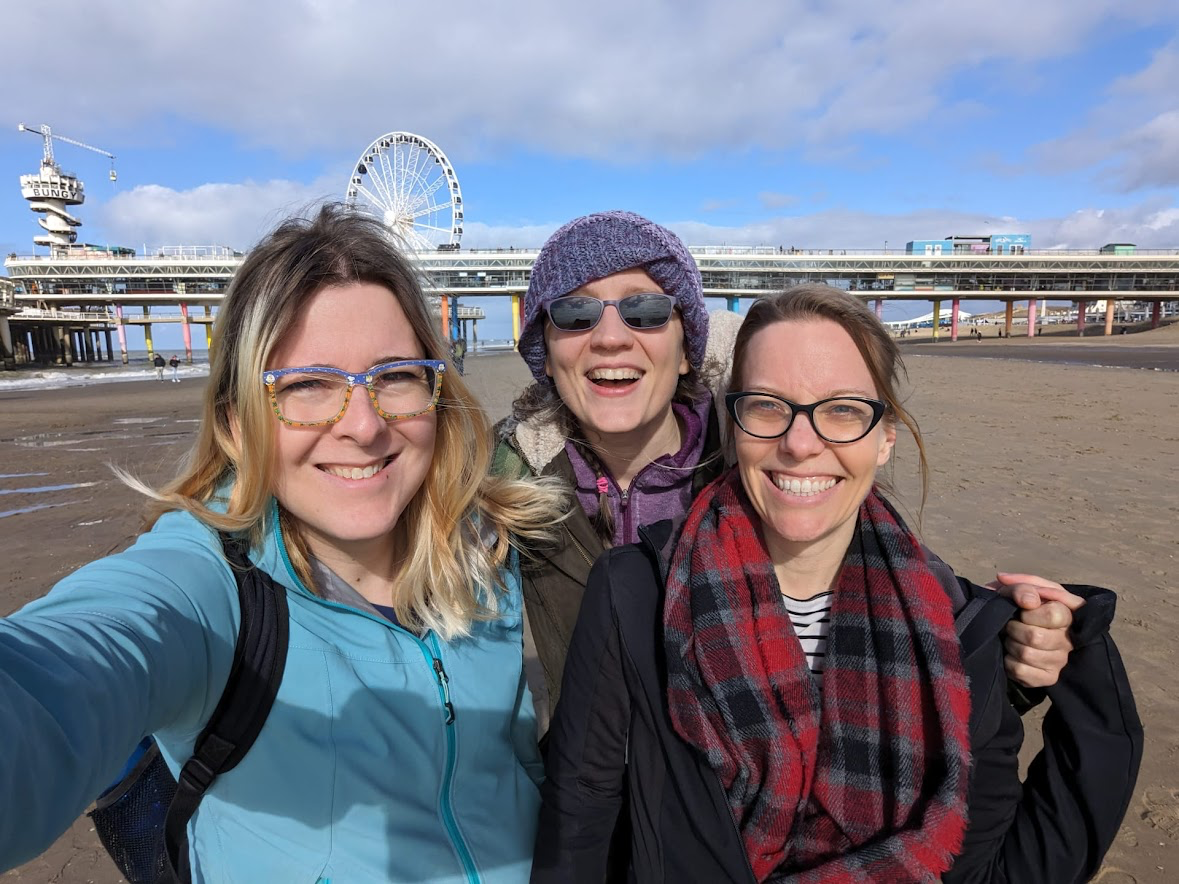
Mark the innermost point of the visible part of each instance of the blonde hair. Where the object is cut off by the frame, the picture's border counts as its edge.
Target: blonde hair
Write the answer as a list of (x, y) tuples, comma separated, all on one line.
[(811, 301), (448, 573)]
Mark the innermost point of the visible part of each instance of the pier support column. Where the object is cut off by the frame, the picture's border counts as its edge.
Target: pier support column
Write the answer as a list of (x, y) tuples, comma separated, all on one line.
[(937, 319), (1109, 311), (734, 304), (880, 308), (186, 329), (1081, 319), (1008, 317), (122, 329), (457, 328), (7, 353), (63, 338), (954, 305), (1032, 318), (1156, 314), (110, 350), (444, 303), (516, 308), (209, 329)]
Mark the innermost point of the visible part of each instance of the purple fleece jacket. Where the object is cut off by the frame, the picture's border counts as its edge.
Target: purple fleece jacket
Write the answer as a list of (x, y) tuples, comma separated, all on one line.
[(661, 490)]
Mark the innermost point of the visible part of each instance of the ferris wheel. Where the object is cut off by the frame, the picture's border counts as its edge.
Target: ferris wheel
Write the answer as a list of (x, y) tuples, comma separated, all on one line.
[(407, 182)]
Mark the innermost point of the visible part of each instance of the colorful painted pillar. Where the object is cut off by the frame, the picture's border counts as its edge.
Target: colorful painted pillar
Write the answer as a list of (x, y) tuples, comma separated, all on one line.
[(122, 331), (954, 305), (516, 323), (444, 304), (209, 328), (147, 334), (1008, 318), (1156, 314), (734, 304), (1081, 318), (880, 308), (937, 318), (186, 329), (1032, 318), (456, 327), (1109, 311)]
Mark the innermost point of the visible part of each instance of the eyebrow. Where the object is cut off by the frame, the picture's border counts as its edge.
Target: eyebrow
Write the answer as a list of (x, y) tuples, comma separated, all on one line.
[(382, 361), (830, 394)]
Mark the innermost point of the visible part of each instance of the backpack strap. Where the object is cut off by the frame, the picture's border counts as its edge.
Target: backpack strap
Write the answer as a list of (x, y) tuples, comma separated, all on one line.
[(259, 658)]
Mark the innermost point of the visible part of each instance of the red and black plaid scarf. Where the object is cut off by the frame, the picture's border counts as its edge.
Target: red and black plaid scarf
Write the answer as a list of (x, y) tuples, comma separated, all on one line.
[(864, 780)]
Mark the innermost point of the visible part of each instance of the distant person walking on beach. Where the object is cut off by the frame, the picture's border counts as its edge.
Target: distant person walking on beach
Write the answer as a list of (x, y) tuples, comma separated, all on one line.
[(626, 361), (175, 363), (158, 362), (401, 744)]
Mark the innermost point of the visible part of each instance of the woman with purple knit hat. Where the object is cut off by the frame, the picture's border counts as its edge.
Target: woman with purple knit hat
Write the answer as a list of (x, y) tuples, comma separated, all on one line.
[(617, 336), (627, 361)]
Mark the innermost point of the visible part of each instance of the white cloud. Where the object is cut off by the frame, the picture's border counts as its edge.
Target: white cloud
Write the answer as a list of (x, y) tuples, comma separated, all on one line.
[(1131, 138), (234, 215), (610, 80)]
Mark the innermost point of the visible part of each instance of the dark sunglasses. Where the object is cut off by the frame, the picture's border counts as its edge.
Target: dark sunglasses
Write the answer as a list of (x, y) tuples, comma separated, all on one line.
[(642, 311)]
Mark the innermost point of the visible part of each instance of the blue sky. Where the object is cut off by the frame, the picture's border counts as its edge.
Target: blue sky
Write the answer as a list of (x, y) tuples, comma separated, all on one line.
[(807, 124)]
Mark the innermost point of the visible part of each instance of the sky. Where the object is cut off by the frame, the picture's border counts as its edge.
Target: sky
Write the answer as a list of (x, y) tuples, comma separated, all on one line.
[(844, 125)]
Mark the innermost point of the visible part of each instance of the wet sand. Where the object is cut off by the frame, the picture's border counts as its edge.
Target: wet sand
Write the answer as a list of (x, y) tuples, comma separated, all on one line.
[(1066, 470)]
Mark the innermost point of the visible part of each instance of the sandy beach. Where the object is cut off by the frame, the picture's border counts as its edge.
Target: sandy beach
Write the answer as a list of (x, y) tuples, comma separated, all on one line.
[(1067, 470)]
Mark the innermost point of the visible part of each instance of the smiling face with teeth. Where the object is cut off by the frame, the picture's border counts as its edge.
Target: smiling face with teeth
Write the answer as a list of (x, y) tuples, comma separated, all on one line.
[(807, 491), (619, 381), (347, 483)]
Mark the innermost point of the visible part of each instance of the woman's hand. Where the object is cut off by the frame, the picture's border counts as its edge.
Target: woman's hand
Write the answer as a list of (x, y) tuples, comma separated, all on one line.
[(1036, 643)]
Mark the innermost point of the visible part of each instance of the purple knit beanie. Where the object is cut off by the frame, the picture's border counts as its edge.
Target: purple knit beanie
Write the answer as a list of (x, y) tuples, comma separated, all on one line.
[(595, 246)]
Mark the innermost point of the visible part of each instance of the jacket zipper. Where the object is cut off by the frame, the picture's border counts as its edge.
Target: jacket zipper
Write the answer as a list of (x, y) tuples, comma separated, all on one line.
[(460, 845), (433, 656), (581, 549)]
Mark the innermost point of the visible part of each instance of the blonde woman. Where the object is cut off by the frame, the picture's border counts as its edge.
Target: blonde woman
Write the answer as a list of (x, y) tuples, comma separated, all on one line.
[(336, 442)]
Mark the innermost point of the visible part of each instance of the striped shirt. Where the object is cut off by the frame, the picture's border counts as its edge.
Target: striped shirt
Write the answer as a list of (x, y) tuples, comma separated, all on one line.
[(812, 620)]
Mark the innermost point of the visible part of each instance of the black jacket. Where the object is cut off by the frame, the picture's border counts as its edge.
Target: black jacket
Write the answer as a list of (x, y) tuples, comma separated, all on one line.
[(613, 749)]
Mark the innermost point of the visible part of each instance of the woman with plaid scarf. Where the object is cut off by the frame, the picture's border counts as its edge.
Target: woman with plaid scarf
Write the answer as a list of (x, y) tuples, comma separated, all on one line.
[(625, 356), (796, 689)]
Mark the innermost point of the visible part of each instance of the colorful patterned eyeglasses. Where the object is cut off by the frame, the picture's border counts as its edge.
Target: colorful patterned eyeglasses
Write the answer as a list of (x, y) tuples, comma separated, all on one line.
[(316, 396)]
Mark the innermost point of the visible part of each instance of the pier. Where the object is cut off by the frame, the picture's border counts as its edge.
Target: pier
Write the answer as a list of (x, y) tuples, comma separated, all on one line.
[(66, 305)]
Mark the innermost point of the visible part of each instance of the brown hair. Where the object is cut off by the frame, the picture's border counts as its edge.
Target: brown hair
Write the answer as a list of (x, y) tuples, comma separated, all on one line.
[(812, 301), (449, 572)]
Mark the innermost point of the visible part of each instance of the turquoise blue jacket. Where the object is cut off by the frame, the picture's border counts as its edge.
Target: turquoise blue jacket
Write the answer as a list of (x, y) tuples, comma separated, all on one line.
[(357, 774)]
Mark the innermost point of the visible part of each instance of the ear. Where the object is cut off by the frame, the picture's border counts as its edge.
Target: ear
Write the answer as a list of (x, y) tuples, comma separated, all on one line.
[(685, 366), (887, 441), (548, 370)]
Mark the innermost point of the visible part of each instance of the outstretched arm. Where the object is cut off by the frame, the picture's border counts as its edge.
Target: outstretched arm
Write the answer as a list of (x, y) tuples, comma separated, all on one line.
[(116, 651)]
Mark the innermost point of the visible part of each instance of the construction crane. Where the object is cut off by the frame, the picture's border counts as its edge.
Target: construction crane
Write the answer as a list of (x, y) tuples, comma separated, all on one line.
[(47, 134)]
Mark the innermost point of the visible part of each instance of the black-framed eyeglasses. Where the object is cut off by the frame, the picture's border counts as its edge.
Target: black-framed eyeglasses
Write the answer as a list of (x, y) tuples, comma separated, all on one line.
[(642, 311), (839, 419)]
